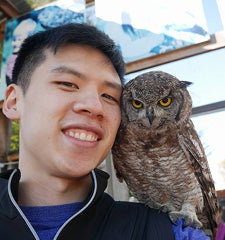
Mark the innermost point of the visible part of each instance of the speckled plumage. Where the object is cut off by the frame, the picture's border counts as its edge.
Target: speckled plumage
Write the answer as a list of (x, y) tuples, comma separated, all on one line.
[(158, 152)]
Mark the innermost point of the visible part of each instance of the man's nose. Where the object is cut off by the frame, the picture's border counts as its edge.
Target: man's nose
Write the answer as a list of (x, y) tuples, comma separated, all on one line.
[(89, 103)]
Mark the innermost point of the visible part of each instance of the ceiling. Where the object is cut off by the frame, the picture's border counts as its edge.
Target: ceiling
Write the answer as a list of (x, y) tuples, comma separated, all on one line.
[(14, 8)]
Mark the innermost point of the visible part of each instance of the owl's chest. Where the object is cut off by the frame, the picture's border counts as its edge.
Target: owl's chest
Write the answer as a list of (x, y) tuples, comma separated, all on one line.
[(154, 144), (156, 155)]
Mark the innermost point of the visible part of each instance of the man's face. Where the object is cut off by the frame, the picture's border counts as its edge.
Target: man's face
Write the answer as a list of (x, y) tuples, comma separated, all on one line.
[(70, 113)]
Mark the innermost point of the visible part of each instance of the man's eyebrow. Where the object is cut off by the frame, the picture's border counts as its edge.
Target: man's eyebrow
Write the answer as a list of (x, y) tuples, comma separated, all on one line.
[(113, 85), (64, 69)]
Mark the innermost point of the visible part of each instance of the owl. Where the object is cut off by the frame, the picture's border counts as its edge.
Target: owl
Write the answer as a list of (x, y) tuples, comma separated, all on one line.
[(158, 153)]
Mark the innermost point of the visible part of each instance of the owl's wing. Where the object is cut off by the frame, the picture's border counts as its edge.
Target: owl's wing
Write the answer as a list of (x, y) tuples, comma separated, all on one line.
[(118, 153), (195, 153)]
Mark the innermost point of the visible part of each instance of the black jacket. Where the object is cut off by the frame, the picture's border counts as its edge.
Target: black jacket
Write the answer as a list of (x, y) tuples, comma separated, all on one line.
[(101, 218)]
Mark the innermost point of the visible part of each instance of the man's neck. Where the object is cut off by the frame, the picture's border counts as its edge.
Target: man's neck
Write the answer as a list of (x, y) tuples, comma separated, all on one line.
[(49, 191)]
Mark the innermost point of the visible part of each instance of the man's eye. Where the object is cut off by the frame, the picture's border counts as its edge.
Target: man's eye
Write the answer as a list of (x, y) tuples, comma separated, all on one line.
[(110, 98), (68, 85)]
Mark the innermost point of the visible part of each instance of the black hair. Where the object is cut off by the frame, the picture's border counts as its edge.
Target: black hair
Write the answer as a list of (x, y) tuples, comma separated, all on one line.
[(32, 52)]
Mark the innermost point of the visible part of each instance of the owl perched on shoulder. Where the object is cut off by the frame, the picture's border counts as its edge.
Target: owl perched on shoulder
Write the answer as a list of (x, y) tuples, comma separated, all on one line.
[(158, 153)]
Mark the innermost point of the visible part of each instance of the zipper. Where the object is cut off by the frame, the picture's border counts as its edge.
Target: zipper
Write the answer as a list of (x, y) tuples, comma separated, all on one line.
[(18, 208), (61, 228), (83, 208)]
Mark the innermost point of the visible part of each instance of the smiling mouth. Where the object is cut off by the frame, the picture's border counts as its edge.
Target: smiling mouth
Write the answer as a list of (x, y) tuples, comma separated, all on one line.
[(82, 135)]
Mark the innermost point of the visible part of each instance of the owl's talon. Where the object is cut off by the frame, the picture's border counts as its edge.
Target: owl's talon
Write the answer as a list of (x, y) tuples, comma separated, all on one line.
[(165, 208), (189, 219)]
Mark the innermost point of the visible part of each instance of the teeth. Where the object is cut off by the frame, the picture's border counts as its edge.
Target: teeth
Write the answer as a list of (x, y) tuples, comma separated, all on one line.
[(82, 136), (89, 138), (76, 135), (70, 134)]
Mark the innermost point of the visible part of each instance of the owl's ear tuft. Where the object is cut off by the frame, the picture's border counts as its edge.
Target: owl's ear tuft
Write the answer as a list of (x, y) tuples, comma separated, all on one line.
[(185, 84)]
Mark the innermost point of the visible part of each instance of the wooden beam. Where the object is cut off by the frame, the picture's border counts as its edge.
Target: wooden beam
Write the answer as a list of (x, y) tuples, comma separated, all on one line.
[(90, 2), (216, 41), (8, 9), (208, 108), (221, 193)]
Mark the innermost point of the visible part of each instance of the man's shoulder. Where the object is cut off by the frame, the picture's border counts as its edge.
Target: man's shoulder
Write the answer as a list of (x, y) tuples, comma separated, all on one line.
[(4, 177), (138, 220), (6, 174), (141, 213)]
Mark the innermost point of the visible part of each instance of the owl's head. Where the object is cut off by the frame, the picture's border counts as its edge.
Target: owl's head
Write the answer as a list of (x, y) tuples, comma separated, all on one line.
[(156, 100)]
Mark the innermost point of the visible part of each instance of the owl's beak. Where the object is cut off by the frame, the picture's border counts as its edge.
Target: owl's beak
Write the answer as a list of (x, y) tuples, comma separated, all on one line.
[(150, 114)]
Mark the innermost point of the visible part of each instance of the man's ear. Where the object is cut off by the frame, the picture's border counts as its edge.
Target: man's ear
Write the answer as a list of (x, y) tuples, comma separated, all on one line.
[(10, 106)]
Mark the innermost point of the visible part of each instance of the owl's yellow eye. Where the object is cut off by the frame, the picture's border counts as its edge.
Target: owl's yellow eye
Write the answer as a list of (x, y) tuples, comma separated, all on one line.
[(136, 104), (165, 102)]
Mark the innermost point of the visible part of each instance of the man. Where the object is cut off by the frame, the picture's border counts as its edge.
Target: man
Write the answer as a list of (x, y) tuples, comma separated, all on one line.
[(67, 83)]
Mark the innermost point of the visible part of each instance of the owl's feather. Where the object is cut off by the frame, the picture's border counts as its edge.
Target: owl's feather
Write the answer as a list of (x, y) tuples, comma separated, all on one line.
[(189, 142), (159, 154)]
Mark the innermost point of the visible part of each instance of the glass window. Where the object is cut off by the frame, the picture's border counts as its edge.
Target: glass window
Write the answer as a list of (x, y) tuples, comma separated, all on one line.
[(211, 130), (205, 71)]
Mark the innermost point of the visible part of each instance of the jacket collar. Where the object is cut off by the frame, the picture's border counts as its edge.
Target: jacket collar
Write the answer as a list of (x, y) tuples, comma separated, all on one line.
[(9, 185)]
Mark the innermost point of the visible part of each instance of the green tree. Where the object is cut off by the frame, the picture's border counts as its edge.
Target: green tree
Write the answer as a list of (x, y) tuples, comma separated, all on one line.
[(14, 140)]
